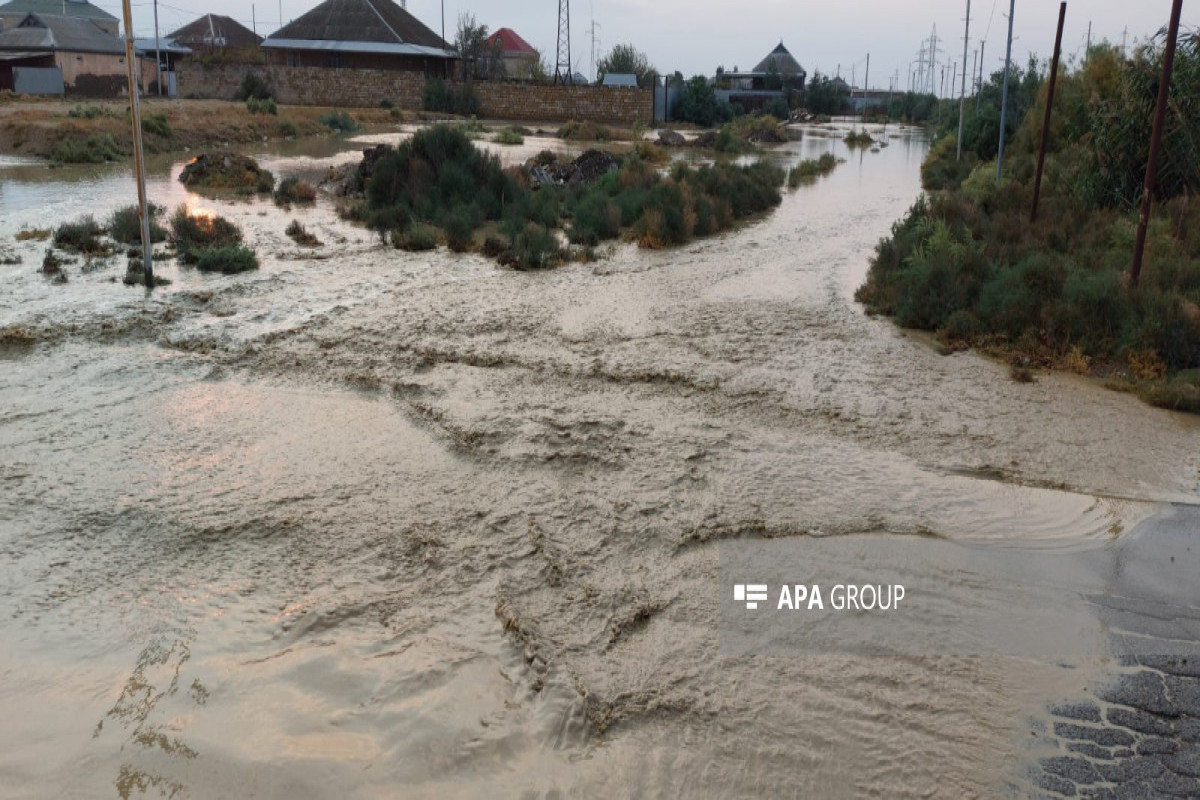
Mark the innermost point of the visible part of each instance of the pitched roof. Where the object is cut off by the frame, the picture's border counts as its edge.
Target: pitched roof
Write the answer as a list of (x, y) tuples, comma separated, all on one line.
[(780, 61), (362, 26), (45, 33), (510, 42), (215, 30), (74, 8), (150, 46)]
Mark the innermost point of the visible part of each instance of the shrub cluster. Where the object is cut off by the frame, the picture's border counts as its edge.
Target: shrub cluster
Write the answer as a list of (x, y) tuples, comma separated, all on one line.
[(157, 124), (81, 236), (125, 225), (339, 122), (295, 190), (438, 95), (262, 105), (96, 149), (195, 235)]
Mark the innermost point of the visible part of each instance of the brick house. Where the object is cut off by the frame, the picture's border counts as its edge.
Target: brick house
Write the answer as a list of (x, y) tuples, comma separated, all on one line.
[(518, 56), (47, 54)]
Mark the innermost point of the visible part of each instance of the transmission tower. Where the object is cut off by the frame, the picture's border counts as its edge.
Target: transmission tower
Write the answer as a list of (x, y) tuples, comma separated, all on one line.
[(562, 67)]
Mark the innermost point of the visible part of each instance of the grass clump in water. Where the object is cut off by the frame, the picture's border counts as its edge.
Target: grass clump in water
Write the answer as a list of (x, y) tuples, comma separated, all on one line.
[(811, 168), (33, 234), (339, 122), (858, 139), (194, 234), (508, 136), (125, 225), (228, 259), (301, 236), (294, 190), (81, 236), (96, 149)]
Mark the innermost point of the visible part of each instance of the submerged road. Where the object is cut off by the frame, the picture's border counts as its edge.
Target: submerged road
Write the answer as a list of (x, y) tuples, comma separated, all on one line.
[(368, 524)]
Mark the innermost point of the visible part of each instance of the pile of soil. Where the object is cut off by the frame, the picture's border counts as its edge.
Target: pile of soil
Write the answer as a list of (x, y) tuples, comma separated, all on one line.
[(592, 165), (225, 170)]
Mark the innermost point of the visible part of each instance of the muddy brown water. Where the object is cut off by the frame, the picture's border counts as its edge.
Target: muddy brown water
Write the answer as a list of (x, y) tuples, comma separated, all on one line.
[(374, 524)]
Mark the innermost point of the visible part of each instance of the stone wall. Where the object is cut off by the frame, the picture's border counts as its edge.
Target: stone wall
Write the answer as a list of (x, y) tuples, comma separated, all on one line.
[(366, 88)]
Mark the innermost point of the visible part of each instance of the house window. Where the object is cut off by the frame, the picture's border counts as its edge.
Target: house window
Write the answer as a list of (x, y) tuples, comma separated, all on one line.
[(333, 60), (293, 59)]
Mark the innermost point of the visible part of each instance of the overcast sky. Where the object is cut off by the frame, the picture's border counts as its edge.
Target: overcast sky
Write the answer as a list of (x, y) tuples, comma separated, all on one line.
[(697, 36)]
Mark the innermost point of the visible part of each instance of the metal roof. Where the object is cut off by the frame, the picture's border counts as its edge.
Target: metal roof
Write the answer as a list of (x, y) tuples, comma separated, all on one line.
[(356, 47), (511, 42), (164, 45), (74, 8), (360, 26), (45, 33)]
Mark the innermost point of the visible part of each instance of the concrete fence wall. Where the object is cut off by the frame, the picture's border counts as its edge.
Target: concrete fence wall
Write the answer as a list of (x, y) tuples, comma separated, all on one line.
[(367, 88)]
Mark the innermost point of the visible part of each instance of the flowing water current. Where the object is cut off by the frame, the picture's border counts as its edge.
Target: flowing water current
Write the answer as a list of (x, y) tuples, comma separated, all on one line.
[(366, 523)]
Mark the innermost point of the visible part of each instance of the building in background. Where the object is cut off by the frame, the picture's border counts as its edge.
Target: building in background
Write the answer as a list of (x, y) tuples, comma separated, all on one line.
[(45, 54), (13, 13), (519, 57), (215, 32), (360, 34)]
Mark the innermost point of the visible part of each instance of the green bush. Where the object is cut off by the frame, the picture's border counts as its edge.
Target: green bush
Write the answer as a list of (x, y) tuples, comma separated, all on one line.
[(288, 128), (87, 111), (95, 149), (294, 190), (298, 234), (508, 136), (534, 247), (262, 105), (157, 124), (125, 225), (459, 225), (81, 236), (438, 95), (418, 238), (811, 168), (339, 122), (192, 234), (227, 259), (253, 87)]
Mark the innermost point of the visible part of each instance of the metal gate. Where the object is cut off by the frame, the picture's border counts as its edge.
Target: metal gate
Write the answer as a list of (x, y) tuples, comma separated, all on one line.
[(665, 97), (38, 80)]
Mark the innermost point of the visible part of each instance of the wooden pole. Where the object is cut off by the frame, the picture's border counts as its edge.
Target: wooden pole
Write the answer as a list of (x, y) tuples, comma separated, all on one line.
[(1160, 113), (1012, 7), (1037, 183), (962, 94), (139, 167)]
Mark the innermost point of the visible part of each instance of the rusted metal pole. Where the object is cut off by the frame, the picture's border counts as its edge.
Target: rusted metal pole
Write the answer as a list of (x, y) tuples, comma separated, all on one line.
[(138, 167), (1037, 184), (1160, 113)]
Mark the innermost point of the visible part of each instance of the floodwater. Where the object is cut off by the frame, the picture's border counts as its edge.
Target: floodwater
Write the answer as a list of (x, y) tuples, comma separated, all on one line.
[(375, 524)]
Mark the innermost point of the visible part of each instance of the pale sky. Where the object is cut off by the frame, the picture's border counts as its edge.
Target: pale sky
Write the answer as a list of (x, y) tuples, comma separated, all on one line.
[(697, 36)]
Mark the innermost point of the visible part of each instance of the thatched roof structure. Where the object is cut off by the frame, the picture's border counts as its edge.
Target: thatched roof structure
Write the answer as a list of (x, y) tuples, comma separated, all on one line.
[(780, 62)]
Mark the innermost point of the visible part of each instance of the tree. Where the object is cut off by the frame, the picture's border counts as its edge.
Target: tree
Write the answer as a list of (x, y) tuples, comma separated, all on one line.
[(480, 60), (625, 59), (699, 104), (826, 96)]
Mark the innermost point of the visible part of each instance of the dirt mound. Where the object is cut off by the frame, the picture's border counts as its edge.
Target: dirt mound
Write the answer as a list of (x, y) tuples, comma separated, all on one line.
[(226, 170), (670, 138), (589, 167)]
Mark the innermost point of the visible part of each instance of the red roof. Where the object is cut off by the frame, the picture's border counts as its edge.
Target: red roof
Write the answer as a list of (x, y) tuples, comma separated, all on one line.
[(510, 42)]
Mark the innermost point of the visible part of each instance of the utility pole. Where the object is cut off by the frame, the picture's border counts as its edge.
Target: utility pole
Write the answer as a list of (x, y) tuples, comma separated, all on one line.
[(979, 80), (138, 167), (1037, 182), (962, 94), (866, 84), (1088, 52), (253, 18), (157, 53), (1012, 7), (1160, 112), (594, 26)]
